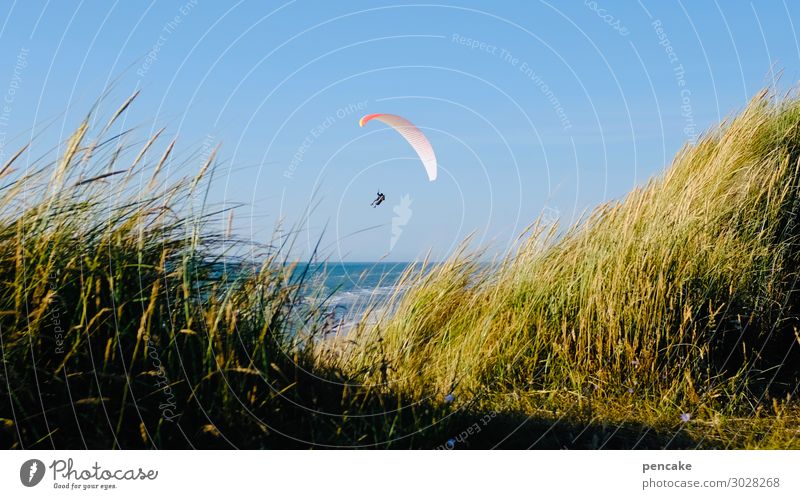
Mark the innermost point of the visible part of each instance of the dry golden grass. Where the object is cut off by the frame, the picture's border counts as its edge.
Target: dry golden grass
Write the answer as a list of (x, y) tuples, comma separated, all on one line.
[(680, 298)]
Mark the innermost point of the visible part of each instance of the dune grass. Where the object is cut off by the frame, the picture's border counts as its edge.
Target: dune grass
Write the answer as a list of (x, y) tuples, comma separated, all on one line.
[(665, 319), (677, 302)]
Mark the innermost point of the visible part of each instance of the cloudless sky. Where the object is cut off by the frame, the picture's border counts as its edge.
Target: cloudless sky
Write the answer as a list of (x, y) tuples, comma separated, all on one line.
[(532, 107)]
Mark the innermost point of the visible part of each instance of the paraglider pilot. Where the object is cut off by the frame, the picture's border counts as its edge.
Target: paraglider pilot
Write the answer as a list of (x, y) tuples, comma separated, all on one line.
[(378, 200)]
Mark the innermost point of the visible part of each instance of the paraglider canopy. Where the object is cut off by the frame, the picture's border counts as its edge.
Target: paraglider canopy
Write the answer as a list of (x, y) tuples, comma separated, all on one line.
[(413, 136)]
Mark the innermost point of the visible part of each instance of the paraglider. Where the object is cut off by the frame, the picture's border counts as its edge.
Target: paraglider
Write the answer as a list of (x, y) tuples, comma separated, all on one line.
[(413, 136), (378, 200)]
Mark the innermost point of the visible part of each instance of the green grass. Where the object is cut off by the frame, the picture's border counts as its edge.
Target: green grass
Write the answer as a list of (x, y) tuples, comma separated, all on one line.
[(680, 298)]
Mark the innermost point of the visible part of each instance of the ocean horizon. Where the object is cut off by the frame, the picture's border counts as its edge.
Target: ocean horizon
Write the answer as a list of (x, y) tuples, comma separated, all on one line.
[(350, 286)]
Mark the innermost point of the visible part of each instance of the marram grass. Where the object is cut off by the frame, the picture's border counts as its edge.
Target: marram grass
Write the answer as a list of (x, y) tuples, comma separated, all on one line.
[(680, 300), (666, 319)]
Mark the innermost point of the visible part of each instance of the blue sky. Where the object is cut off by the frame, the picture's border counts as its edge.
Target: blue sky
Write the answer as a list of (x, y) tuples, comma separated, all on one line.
[(530, 106)]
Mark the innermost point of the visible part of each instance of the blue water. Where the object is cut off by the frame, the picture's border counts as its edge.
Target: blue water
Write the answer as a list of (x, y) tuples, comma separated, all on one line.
[(353, 285), (346, 289)]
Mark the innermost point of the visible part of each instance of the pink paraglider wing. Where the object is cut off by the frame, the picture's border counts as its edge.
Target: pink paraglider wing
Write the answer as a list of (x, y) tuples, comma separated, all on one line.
[(413, 136)]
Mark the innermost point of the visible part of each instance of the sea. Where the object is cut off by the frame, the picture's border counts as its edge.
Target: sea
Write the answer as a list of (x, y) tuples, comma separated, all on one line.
[(344, 290), (351, 286)]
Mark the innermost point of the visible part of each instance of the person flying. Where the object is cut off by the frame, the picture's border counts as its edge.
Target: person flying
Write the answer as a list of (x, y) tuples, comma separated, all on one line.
[(378, 200)]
